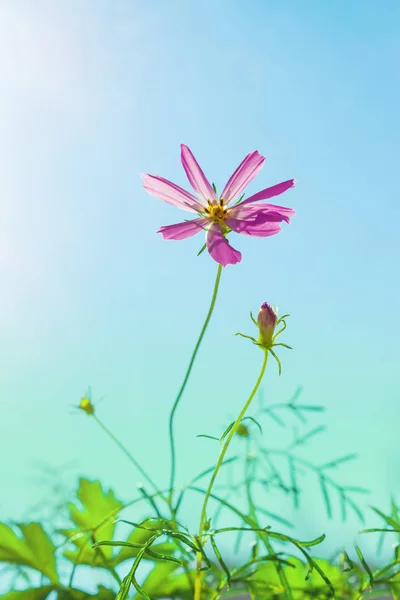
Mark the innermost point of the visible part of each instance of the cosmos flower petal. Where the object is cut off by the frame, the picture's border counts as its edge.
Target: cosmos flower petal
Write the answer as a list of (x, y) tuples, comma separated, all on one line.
[(197, 179), (259, 227), (270, 192), (170, 192), (181, 231), (252, 211), (245, 173), (219, 248)]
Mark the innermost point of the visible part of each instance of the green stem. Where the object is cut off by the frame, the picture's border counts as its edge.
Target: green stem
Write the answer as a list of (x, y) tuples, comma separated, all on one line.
[(221, 457), (188, 371), (126, 452), (150, 499)]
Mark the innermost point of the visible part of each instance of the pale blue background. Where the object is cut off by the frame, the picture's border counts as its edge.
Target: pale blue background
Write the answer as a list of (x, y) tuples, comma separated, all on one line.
[(94, 93)]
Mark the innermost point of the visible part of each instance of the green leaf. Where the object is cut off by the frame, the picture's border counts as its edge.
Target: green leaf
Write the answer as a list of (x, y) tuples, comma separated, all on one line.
[(315, 586), (221, 562), (389, 520), (208, 437), (255, 422), (365, 565), (130, 579), (162, 582), (98, 506), (276, 517), (346, 562), (157, 577), (134, 543), (325, 495), (310, 407), (304, 438), (227, 430), (202, 249), (126, 553), (298, 543), (34, 549), (74, 594), (30, 594), (338, 461)]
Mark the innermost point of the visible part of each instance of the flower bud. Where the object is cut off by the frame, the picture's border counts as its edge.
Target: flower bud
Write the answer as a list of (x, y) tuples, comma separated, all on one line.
[(266, 320), (242, 431), (86, 405)]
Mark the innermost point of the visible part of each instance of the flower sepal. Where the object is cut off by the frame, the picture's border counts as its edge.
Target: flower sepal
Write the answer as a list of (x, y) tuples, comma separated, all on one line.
[(266, 323)]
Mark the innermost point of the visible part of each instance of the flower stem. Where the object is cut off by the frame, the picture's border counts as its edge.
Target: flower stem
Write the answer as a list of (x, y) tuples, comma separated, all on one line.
[(203, 517), (188, 371), (126, 452)]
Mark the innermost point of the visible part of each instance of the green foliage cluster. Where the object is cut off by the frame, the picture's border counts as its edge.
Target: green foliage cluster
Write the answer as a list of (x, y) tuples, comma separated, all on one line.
[(157, 558)]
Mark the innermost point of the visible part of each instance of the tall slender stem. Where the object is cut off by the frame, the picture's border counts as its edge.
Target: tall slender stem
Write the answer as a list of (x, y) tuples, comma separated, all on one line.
[(126, 452), (203, 517), (186, 378)]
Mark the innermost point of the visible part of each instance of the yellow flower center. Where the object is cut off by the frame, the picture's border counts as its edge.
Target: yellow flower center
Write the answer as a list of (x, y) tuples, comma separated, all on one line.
[(217, 212)]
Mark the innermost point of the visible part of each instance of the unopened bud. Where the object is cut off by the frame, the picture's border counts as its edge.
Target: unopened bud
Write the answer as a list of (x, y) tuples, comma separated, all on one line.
[(266, 320), (207, 525), (86, 405), (242, 431)]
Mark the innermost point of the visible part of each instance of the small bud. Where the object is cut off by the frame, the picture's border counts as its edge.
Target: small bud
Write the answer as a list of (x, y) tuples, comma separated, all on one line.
[(266, 320), (242, 431), (86, 405), (207, 525)]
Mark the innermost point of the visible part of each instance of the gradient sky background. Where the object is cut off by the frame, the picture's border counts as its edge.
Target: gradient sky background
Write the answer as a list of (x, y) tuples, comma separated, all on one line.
[(94, 93)]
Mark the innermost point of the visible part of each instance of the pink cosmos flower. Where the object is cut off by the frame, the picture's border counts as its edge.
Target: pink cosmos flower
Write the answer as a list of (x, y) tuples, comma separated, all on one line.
[(220, 215)]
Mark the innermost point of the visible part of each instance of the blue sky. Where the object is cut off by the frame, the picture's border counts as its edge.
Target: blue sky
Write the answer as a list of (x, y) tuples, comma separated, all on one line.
[(95, 93)]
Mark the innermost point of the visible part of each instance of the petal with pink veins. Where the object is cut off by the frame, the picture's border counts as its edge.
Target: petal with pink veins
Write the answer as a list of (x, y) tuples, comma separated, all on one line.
[(251, 211), (270, 192), (197, 179), (245, 173), (181, 231), (170, 192), (256, 228), (219, 248)]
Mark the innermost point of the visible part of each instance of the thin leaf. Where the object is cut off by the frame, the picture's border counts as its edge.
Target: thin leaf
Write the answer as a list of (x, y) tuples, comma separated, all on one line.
[(202, 249), (227, 430), (273, 416), (293, 478), (276, 517), (254, 421), (310, 407), (358, 490), (211, 469), (389, 520), (346, 559), (375, 530), (305, 438), (355, 508), (325, 495), (221, 561), (365, 565), (130, 578), (338, 461)]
